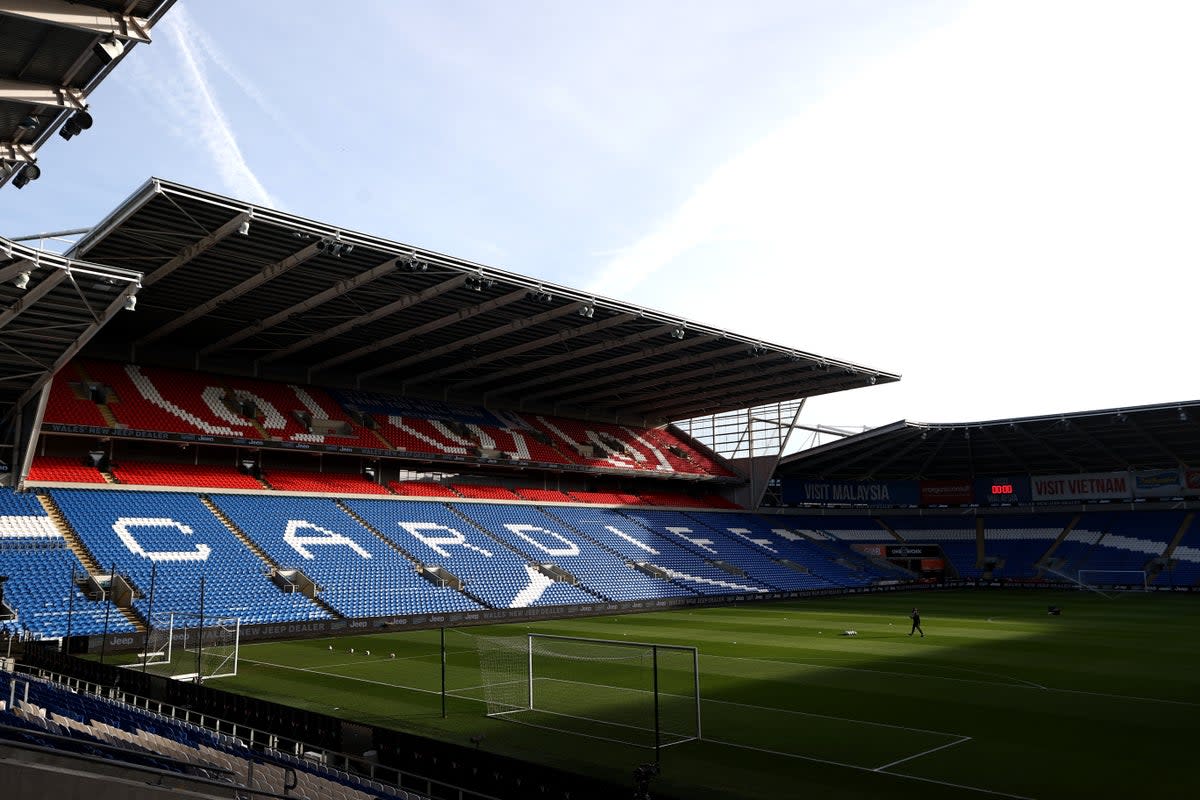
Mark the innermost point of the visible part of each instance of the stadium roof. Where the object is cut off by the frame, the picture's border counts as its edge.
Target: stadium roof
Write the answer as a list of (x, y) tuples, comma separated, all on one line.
[(55, 53), (1142, 437), (237, 288), (50, 306)]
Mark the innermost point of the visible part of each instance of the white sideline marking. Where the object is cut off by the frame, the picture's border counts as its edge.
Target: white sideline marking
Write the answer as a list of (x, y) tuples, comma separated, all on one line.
[(923, 753), (363, 680)]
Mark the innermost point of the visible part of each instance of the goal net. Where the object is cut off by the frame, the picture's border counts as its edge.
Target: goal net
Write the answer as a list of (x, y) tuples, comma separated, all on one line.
[(637, 693), (178, 646), (1113, 580)]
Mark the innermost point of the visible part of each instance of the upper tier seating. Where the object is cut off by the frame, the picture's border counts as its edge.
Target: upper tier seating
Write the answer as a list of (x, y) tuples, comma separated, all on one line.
[(63, 470), (175, 401), (208, 476), (227, 407), (292, 480), (359, 575), (34, 556), (71, 407), (135, 530)]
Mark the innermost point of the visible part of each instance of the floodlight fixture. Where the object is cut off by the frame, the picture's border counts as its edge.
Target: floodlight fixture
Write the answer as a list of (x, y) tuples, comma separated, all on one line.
[(22, 280), (28, 123), (79, 122), (244, 228), (541, 295), (131, 302), (587, 310), (1183, 415), (334, 247), (477, 282), (412, 263), (30, 172)]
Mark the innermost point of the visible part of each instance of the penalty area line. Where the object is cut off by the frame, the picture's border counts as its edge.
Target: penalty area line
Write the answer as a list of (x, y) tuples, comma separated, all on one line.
[(875, 771), (923, 753)]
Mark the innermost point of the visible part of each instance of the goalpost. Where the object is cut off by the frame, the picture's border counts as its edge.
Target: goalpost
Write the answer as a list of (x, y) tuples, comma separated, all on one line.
[(1117, 580), (178, 646), (638, 693)]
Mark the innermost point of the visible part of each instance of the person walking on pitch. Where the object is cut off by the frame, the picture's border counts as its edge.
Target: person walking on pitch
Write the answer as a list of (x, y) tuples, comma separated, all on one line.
[(916, 620)]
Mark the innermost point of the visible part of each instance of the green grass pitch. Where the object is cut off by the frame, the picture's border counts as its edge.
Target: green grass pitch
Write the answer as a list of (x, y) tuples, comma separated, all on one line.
[(998, 700)]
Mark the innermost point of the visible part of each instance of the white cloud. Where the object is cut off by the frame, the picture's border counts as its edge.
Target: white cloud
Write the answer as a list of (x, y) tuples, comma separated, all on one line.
[(199, 116), (1004, 211)]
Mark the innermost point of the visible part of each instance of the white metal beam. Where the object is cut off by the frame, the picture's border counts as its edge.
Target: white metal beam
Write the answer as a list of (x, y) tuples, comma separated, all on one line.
[(196, 248), (40, 94), (407, 301), (333, 292), (509, 327), (602, 366), (267, 273), (31, 296), (449, 319), (17, 153), (549, 361), (84, 337), (80, 17), (625, 389), (554, 338)]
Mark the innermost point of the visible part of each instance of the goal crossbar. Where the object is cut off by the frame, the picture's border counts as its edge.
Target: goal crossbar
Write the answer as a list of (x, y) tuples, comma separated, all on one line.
[(641, 693), (179, 646)]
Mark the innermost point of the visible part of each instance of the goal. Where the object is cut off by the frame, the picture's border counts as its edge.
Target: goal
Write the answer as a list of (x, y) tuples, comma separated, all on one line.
[(1116, 580), (638, 693), (178, 646)]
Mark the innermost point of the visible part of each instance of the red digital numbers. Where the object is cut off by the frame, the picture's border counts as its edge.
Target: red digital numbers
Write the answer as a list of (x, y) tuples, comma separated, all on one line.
[(1002, 488)]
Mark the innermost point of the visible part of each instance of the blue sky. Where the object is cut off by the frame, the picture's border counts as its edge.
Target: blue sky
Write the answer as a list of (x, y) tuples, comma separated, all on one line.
[(996, 199)]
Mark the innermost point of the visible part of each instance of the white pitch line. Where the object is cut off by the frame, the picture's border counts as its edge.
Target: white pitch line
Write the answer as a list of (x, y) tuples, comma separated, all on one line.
[(900, 775), (923, 753), (361, 680)]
